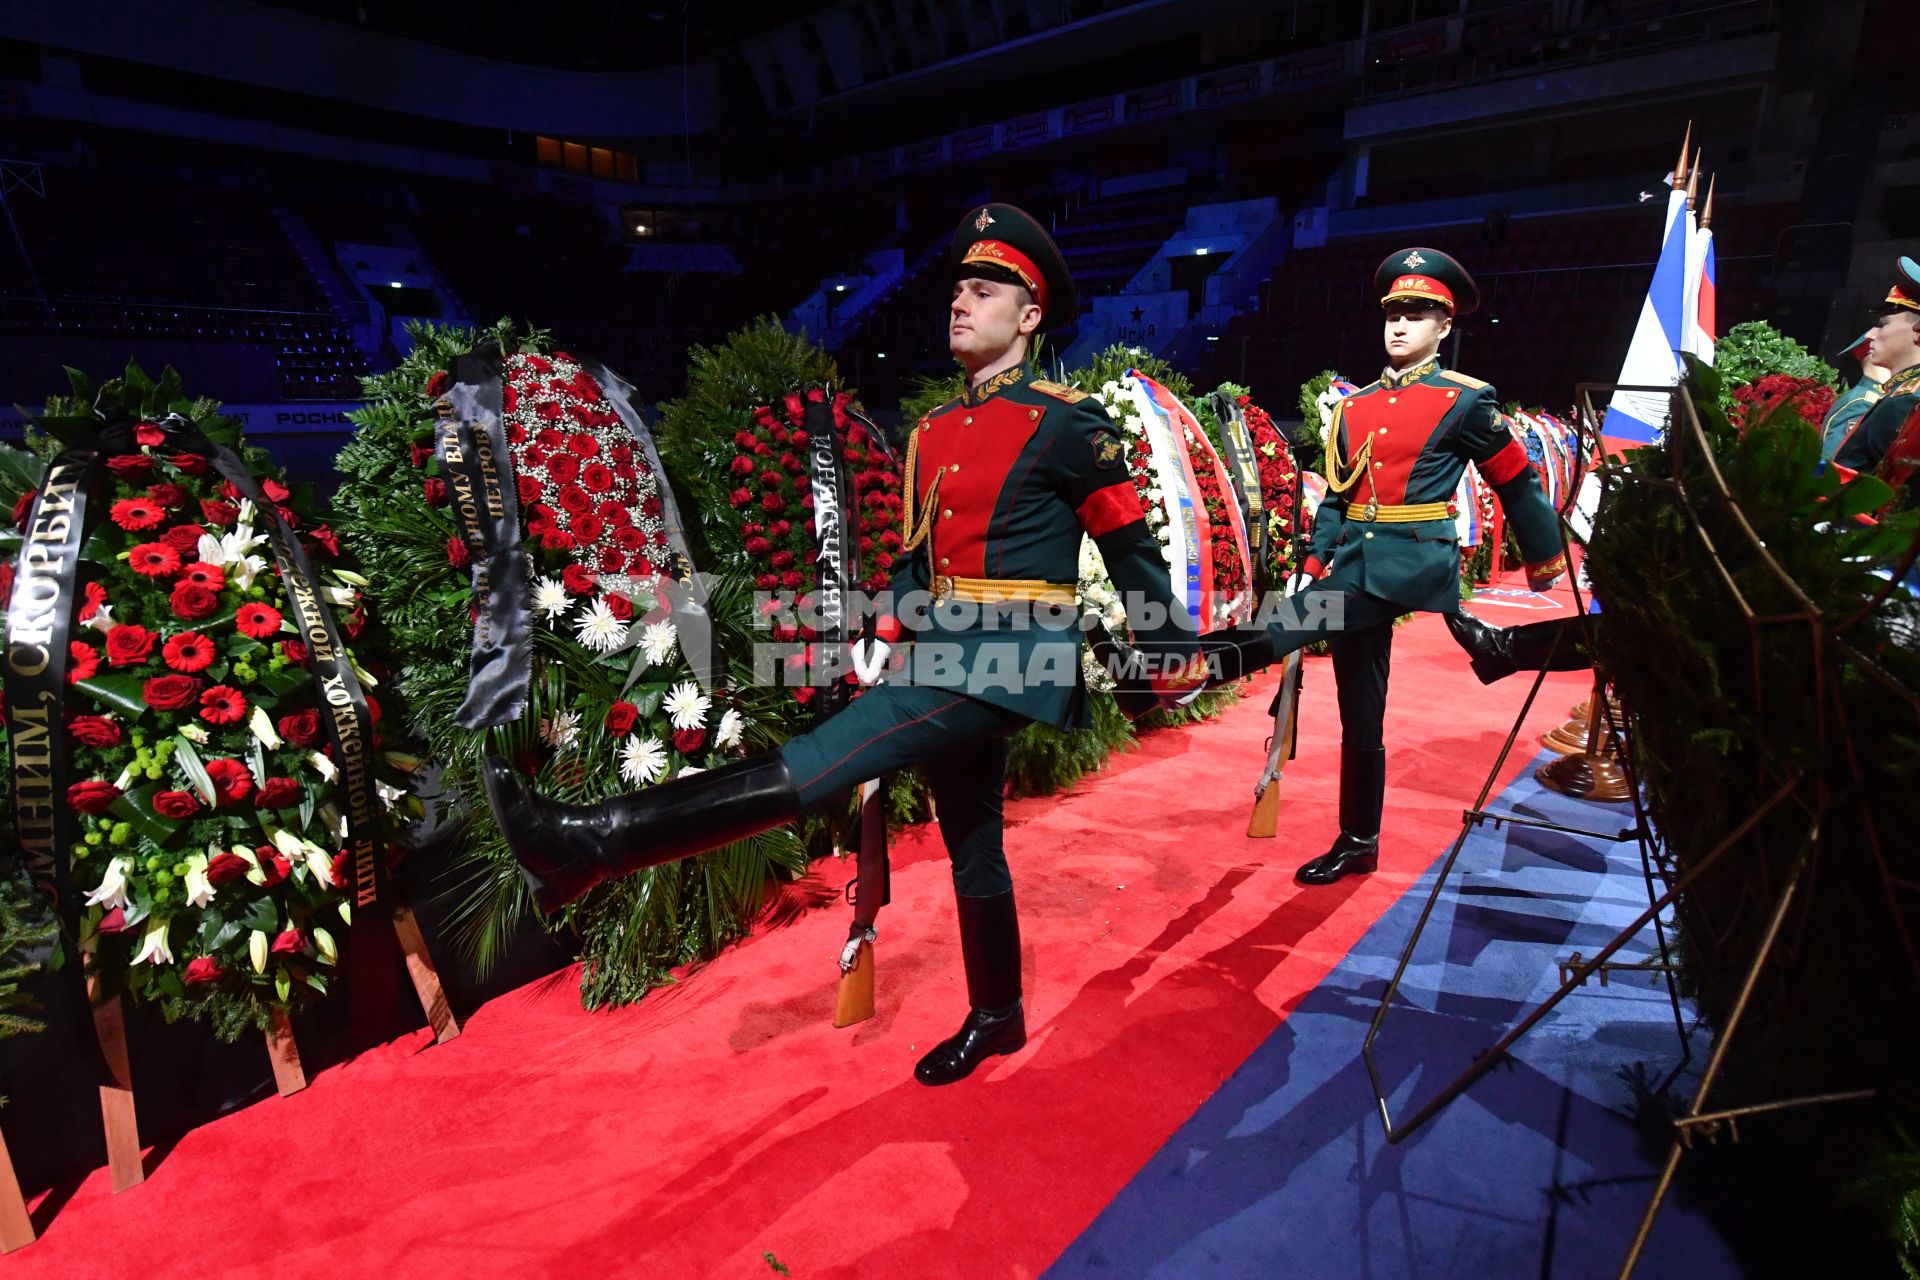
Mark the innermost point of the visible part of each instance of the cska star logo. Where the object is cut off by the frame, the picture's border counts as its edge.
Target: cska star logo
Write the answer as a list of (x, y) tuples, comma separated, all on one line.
[(1414, 261), (982, 222)]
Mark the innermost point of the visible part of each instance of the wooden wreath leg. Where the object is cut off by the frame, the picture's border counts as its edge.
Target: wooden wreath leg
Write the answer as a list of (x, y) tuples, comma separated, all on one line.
[(16, 1228), (426, 979), (117, 1114), (288, 1075)]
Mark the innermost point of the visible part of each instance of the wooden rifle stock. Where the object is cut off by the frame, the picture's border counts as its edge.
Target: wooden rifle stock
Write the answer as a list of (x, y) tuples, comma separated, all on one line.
[(872, 891)]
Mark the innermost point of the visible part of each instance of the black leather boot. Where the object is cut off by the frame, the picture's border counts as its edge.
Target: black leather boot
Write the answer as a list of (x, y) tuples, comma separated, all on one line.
[(990, 944), (564, 850), (1363, 790), (1498, 652)]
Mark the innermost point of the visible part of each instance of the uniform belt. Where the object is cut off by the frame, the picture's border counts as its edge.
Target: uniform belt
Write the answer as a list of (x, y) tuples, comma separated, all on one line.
[(999, 590), (1400, 515)]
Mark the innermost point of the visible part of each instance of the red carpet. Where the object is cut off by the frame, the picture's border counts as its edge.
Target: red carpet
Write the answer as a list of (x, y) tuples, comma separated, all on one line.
[(726, 1118)]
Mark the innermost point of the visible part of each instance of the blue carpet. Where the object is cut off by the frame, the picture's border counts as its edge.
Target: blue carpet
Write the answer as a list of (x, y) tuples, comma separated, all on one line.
[(1541, 1169)]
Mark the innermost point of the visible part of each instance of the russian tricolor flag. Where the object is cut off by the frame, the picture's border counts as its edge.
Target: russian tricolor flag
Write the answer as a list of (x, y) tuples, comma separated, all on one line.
[(1666, 327)]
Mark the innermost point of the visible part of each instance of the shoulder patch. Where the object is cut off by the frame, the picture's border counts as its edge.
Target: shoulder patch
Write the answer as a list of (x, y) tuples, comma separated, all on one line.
[(1058, 390), (1107, 454), (1454, 375)]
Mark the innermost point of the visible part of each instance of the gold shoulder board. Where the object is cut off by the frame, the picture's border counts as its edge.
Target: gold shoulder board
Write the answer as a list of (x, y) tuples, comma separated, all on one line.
[(1059, 391), (1454, 375)]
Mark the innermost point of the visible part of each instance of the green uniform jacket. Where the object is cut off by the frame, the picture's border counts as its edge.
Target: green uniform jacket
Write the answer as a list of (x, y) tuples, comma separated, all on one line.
[(1008, 479), (1868, 443), (1405, 441), (1847, 410)]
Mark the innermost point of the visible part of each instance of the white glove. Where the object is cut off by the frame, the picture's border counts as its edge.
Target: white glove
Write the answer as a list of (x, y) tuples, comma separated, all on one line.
[(870, 660), (1299, 582)]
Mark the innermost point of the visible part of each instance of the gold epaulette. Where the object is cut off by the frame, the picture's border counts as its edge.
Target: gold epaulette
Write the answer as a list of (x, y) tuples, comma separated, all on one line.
[(1454, 375), (1058, 390)]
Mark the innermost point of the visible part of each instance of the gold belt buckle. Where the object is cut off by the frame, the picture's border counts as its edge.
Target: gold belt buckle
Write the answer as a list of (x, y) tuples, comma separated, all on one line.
[(1372, 510), (942, 586)]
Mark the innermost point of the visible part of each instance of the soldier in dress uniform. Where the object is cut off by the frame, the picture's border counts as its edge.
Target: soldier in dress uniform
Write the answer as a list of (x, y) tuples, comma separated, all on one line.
[(1002, 483), (1893, 343), (1857, 399), (1384, 540)]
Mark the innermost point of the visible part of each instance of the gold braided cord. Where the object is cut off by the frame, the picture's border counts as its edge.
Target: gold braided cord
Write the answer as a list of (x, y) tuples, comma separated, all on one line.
[(1356, 467), (915, 535)]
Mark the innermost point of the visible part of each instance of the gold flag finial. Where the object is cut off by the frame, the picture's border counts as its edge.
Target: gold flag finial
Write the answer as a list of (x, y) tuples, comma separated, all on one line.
[(1706, 211), (1680, 166), (1693, 180)]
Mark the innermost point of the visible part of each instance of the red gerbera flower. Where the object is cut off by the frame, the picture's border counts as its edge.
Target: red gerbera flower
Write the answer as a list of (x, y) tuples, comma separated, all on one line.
[(221, 705), (202, 574), (83, 662), (154, 559), (135, 514), (188, 651), (257, 620)]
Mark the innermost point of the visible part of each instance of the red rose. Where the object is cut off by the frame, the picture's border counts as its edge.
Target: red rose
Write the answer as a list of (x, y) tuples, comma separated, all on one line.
[(326, 537), (437, 383), (191, 463), (184, 539), (115, 921), (169, 495), (575, 500), (148, 434), (191, 602), (587, 530), (275, 491), (509, 398), (774, 502), (93, 796), (257, 620), (541, 517), (556, 540), (619, 606), (540, 364), (548, 437), (529, 488), (216, 512), (83, 661), (273, 864), (563, 467), (6, 582), (741, 497), (294, 651), (548, 410), (231, 781), (278, 793), (597, 477), (457, 552), (621, 717), (289, 943), (188, 651), (436, 491), (630, 539), (577, 579), (128, 645), (302, 728), (137, 513), (222, 705), (94, 731), (130, 467), (203, 969), (176, 804), (611, 561), (781, 559), (154, 560), (582, 445), (170, 693), (741, 465), (225, 868), (688, 741)]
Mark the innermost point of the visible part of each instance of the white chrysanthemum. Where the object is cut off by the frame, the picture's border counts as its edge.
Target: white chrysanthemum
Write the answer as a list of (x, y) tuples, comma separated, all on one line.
[(599, 630), (642, 760), (659, 642), (687, 705), (732, 725), (550, 598), (562, 731)]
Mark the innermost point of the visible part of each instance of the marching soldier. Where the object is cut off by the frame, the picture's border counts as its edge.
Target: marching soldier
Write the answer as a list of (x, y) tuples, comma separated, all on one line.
[(1001, 485), (1857, 399), (1893, 343), (1384, 540)]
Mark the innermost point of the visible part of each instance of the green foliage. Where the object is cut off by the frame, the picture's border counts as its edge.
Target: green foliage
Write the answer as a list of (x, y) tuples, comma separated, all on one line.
[(929, 394), (1727, 712), (1118, 360), (1888, 1194), (1311, 450), (1755, 349)]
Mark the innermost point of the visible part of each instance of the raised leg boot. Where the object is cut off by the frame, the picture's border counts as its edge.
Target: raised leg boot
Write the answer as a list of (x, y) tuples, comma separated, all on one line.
[(564, 850), (1363, 789), (990, 943), (1498, 652)]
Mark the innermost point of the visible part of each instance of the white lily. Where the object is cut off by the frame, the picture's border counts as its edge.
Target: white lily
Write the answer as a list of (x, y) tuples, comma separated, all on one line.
[(732, 725), (102, 619), (261, 724), (323, 942), (247, 513), (389, 795), (257, 950), (254, 874), (686, 705), (126, 776), (113, 886), (402, 761), (361, 672), (349, 576), (199, 888), (291, 846), (319, 864), (342, 596), (153, 945), (194, 733), (346, 913), (642, 760), (322, 766), (246, 569)]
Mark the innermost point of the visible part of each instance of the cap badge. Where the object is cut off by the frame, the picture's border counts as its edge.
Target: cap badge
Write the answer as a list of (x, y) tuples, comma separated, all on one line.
[(1414, 261), (982, 222)]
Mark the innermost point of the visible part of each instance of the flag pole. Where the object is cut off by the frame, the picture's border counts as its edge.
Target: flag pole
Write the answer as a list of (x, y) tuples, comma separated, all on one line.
[(1706, 211), (1680, 166)]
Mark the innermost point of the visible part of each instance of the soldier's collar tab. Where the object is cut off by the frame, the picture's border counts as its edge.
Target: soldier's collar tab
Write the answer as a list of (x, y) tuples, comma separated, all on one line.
[(975, 396), (1394, 380)]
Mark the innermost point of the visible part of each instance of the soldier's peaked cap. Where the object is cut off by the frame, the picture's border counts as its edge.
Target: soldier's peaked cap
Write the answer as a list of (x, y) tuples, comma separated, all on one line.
[(1426, 276), (1001, 242)]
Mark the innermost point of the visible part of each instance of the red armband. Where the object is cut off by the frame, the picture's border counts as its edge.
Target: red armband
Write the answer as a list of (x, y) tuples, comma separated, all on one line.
[(1504, 465), (1114, 507)]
